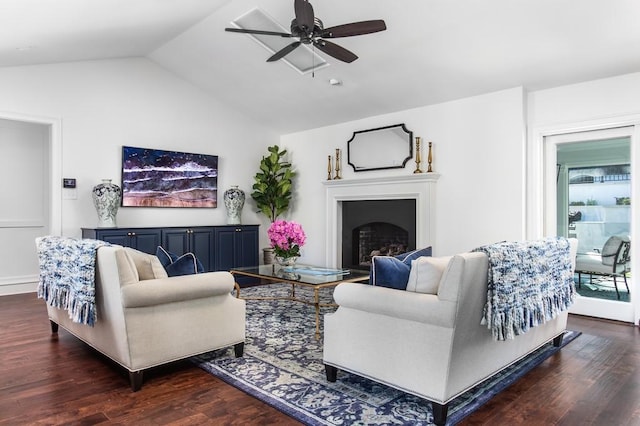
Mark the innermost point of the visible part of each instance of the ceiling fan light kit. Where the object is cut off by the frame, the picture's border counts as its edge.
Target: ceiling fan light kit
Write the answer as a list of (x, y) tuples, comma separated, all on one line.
[(309, 30)]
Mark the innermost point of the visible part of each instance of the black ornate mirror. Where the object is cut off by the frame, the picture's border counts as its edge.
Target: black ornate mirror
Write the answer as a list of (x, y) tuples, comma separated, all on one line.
[(387, 147)]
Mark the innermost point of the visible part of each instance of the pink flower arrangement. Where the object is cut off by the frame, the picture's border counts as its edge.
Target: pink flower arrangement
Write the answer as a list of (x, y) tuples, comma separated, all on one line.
[(286, 238)]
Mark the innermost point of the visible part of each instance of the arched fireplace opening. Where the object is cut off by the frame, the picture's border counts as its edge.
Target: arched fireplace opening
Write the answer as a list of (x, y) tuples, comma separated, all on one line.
[(377, 239)]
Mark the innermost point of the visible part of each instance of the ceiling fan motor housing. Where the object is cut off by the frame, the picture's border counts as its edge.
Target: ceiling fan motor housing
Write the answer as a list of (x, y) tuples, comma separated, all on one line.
[(307, 37)]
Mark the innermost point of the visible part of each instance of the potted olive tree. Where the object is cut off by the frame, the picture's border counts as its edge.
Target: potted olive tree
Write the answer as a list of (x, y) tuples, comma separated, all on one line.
[(272, 188)]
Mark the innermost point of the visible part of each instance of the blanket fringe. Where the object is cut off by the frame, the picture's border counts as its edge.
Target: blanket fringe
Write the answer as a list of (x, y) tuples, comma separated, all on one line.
[(72, 287), (510, 311), (507, 324), (54, 296)]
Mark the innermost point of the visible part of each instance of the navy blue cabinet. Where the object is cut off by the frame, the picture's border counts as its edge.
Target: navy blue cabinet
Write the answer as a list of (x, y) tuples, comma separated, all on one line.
[(143, 239), (197, 240), (236, 246), (218, 248)]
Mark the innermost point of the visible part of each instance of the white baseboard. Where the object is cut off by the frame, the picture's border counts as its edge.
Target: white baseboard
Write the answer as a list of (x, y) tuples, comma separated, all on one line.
[(18, 285)]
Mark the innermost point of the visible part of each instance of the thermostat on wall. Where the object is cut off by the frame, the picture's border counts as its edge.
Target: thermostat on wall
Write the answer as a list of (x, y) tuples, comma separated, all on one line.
[(68, 183)]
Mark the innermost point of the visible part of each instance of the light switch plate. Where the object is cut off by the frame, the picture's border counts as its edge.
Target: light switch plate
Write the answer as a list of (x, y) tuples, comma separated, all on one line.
[(69, 194)]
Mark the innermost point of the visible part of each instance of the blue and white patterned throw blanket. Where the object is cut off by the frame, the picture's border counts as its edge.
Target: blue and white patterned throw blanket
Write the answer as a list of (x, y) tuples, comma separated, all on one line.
[(67, 275), (529, 283)]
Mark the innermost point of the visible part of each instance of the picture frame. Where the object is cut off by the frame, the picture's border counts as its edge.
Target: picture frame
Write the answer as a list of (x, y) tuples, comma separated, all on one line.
[(160, 178)]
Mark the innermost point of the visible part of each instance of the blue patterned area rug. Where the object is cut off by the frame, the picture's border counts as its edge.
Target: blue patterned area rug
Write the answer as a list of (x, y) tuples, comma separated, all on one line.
[(282, 366)]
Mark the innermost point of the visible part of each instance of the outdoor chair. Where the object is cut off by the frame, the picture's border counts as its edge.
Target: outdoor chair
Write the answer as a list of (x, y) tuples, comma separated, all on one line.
[(612, 261)]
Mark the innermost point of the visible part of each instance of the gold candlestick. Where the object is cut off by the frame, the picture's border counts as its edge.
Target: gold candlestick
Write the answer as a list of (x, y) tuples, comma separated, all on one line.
[(329, 168), (429, 159), (337, 176), (418, 160)]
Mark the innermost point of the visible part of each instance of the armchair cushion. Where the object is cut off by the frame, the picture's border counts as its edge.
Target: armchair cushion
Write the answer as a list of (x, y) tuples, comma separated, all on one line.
[(411, 255), (177, 289), (393, 271), (592, 262), (426, 273), (166, 258), (174, 265), (422, 308), (187, 264), (147, 266), (611, 249), (127, 271)]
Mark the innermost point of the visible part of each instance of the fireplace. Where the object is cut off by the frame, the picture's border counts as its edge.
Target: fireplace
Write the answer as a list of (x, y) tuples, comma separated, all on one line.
[(418, 189), (376, 227)]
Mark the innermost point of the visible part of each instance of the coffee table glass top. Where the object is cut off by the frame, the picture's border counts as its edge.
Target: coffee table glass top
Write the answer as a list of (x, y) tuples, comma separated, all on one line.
[(304, 274)]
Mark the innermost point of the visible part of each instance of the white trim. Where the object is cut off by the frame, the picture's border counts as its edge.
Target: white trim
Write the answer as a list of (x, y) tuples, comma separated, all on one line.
[(419, 187), (541, 212), (535, 153), (17, 285), (4, 281), (36, 223), (600, 308), (55, 164)]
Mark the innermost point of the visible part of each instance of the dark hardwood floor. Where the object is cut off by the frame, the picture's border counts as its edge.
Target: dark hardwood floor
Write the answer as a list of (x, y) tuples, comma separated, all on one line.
[(46, 379)]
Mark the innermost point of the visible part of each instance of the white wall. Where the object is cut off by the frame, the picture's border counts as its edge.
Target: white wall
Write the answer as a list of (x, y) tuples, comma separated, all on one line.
[(103, 105), (597, 99), (478, 148), (106, 104)]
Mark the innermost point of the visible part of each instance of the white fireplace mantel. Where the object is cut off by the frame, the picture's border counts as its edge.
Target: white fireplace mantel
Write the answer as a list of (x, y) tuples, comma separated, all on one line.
[(419, 187)]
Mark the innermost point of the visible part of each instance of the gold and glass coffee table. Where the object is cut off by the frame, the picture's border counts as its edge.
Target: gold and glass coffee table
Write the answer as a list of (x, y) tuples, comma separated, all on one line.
[(307, 276)]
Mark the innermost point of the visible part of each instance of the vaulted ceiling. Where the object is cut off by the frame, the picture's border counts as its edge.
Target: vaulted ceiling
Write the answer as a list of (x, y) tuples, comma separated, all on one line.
[(432, 51)]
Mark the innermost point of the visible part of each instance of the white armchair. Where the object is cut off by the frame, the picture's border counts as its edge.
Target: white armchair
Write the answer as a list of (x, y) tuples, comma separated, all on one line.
[(143, 321), (429, 345)]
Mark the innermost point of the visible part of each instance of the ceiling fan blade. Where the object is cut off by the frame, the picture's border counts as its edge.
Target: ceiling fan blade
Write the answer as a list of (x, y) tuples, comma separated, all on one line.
[(354, 29), (336, 51), (259, 32), (285, 51), (304, 15)]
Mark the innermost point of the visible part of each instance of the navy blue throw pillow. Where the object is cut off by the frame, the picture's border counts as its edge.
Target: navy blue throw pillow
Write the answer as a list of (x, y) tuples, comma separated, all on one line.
[(165, 257), (186, 264), (393, 271)]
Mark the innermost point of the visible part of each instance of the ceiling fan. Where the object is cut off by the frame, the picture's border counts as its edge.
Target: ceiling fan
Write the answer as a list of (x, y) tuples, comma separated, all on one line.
[(308, 29)]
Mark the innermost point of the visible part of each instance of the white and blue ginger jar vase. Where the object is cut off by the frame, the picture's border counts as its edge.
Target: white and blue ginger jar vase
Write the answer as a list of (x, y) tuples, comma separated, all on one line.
[(233, 202), (106, 199)]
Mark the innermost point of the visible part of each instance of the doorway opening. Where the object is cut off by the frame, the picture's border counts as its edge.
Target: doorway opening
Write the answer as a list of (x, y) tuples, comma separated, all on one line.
[(594, 205), (34, 144)]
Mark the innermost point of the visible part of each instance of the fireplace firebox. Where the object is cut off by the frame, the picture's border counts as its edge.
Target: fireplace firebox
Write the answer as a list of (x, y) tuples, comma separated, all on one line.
[(376, 227)]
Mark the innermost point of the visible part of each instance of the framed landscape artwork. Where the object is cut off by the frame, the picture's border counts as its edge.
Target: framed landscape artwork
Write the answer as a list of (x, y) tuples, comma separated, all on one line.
[(157, 178)]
